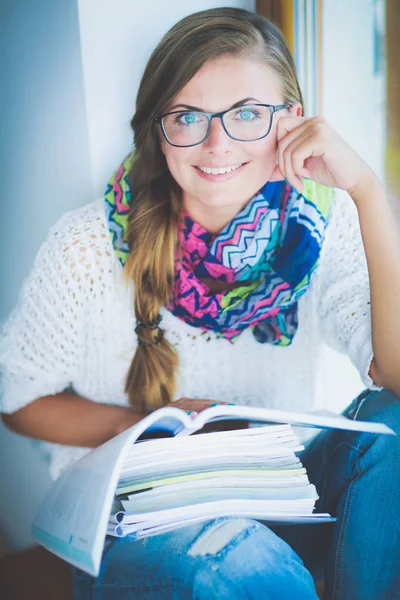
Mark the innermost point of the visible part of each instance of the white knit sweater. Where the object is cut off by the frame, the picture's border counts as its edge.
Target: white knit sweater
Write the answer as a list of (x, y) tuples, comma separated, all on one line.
[(74, 325)]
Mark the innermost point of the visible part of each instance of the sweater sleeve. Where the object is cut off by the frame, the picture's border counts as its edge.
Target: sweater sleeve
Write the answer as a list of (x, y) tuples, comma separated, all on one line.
[(41, 343), (344, 307)]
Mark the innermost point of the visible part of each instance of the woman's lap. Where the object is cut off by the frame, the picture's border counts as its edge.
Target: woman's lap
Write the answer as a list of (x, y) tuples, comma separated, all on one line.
[(358, 480), (357, 476), (223, 558)]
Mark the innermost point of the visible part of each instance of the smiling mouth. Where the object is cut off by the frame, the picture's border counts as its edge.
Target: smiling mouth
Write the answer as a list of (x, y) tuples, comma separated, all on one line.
[(220, 170)]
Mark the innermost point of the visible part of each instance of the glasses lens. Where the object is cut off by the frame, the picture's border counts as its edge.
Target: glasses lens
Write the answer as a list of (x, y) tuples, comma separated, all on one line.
[(249, 122), (185, 128)]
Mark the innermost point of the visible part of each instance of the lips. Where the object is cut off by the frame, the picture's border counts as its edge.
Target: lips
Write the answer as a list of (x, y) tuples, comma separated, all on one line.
[(228, 172), (219, 170)]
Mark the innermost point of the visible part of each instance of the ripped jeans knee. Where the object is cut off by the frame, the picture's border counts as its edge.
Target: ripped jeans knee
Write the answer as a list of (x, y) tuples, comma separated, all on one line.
[(232, 558)]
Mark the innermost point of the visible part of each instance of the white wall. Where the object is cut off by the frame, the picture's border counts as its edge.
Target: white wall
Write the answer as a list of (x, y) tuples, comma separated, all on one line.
[(69, 80), (353, 91), (45, 170), (354, 103), (114, 53)]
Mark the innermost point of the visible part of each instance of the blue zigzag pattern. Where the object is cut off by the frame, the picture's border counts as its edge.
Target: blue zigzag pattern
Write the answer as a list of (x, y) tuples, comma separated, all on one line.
[(279, 252), (260, 241)]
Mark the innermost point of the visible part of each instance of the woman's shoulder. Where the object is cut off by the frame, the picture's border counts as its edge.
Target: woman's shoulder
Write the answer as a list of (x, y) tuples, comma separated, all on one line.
[(80, 232), (77, 249), (83, 222)]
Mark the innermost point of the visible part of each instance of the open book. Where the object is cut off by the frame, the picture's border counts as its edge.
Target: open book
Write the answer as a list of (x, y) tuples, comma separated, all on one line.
[(123, 486)]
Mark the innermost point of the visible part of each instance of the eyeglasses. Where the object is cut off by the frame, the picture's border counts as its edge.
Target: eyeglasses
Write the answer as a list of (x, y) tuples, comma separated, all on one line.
[(246, 123)]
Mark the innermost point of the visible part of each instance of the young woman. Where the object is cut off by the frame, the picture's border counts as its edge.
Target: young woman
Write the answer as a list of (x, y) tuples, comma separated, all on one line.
[(235, 239)]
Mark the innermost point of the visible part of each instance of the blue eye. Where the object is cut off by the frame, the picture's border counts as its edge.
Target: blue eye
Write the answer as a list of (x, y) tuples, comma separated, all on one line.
[(186, 119), (189, 118), (246, 114)]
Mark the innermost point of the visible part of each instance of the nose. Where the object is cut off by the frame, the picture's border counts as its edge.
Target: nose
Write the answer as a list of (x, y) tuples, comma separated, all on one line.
[(218, 140)]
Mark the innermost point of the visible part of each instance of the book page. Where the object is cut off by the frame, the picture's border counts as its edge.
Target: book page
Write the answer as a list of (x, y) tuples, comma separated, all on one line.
[(272, 415), (73, 518), (119, 530)]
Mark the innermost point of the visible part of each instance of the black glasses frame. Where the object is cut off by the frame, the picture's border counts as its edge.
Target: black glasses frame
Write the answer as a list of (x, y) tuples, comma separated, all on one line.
[(273, 108)]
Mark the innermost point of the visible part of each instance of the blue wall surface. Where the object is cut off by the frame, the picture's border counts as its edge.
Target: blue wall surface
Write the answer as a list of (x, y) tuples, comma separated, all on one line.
[(44, 152), (45, 170)]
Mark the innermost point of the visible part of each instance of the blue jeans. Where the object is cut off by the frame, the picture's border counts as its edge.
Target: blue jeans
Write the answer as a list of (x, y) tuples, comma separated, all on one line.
[(357, 476)]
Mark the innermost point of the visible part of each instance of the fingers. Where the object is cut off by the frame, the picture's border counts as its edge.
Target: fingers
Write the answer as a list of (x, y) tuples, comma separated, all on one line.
[(293, 158), (193, 406), (208, 404), (293, 126), (192, 413), (300, 143)]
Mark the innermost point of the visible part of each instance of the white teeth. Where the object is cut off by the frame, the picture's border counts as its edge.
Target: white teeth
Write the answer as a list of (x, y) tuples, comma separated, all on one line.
[(220, 171)]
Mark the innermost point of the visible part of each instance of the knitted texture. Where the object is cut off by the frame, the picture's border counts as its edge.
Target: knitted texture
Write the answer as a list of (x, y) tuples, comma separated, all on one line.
[(74, 325)]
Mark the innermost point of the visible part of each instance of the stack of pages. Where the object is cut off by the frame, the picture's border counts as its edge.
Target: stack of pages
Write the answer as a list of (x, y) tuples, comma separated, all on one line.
[(165, 472), (168, 483)]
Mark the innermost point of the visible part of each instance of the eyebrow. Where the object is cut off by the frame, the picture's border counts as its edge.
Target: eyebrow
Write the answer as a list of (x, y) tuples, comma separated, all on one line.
[(188, 107)]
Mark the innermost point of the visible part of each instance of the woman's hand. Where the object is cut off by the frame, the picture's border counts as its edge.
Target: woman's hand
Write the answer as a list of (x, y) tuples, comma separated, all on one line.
[(310, 147), (194, 405)]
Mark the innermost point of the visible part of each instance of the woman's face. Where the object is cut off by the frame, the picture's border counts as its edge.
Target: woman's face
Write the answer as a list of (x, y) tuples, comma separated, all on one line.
[(213, 200)]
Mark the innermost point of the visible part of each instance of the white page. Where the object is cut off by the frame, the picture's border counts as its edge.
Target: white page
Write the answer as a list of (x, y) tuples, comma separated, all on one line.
[(254, 509), (302, 506), (213, 441), (117, 530), (256, 447), (268, 432), (212, 482), (72, 521), (251, 413), (176, 499), (269, 469), (193, 463)]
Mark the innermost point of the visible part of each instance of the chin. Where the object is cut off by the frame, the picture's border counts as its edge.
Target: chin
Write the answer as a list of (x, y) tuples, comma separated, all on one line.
[(221, 202)]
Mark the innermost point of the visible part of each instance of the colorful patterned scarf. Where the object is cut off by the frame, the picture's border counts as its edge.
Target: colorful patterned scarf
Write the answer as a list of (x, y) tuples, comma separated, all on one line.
[(273, 245)]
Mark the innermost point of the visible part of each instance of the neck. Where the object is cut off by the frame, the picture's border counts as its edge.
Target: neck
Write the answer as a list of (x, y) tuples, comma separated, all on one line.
[(213, 220)]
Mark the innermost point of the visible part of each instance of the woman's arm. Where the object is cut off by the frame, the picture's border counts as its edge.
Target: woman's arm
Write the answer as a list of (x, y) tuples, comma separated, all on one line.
[(71, 420), (309, 147), (74, 421), (381, 241)]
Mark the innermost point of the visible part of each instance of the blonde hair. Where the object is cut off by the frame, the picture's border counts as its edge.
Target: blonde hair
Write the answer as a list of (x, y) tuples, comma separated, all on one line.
[(156, 197)]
